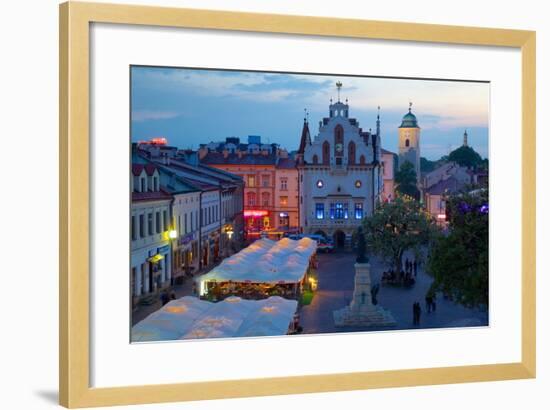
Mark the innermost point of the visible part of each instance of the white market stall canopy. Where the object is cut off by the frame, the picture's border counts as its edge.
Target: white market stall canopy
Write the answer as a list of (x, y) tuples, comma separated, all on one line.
[(192, 318), (266, 261)]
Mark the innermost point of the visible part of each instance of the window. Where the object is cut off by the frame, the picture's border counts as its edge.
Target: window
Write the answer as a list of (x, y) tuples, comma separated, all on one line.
[(358, 211), (326, 153), (284, 182), (407, 142), (338, 140), (283, 200), (134, 232), (141, 226), (155, 184), (251, 199), (164, 220), (315, 159), (150, 223), (362, 160), (142, 184), (157, 221), (265, 198), (185, 223), (339, 210), (351, 153), (251, 181), (265, 181), (320, 211)]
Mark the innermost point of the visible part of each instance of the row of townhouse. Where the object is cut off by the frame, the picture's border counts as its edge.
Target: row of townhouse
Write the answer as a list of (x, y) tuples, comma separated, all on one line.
[(184, 218)]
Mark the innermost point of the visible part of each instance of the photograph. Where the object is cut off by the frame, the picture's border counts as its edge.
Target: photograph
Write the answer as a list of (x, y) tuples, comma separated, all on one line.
[(287, 204)]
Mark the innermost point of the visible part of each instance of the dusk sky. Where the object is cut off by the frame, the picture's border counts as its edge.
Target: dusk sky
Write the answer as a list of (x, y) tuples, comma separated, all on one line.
[(189, 107)]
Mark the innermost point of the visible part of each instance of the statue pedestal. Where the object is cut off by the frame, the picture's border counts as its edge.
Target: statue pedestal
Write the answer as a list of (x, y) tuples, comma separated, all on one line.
[(361, 312)]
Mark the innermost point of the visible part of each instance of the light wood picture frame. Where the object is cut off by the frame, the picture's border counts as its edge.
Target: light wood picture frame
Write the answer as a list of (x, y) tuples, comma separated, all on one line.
[(74, 283)]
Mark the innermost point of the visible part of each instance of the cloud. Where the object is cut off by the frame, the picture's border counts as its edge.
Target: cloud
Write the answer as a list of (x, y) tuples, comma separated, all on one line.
[(147, 115)]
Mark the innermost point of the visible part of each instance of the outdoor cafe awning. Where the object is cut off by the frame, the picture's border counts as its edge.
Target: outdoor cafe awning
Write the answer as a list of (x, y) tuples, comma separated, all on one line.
[(192, 318), (266, 261)]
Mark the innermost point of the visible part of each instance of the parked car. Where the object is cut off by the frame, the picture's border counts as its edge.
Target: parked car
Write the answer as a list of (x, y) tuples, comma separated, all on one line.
[(325, 245)]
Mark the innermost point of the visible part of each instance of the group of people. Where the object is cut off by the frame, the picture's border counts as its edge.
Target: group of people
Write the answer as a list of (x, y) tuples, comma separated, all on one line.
[(403, 277)]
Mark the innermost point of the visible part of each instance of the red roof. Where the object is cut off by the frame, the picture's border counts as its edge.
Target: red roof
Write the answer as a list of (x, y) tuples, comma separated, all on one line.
[(149, 169)]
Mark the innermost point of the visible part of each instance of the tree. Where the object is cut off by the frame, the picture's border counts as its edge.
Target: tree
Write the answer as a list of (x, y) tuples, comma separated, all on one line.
[(459, 262), (465, 157), (396, 227), (405, 180)]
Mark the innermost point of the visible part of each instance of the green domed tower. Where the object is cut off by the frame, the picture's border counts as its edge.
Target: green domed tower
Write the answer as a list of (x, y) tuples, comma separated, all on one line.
[(409, 142)]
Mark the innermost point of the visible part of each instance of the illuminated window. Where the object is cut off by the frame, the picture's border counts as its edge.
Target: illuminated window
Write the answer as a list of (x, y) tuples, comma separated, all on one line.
[(358, 211), (320, 183), (358, 184), (319, 211), (251, 181), (284, 200)]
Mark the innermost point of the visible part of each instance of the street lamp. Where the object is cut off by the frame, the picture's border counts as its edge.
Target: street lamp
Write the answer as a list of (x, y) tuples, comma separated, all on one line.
[(172, 234)]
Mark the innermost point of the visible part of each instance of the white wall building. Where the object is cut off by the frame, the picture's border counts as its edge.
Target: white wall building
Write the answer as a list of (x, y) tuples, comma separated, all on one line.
[(151, 221), (340, 175)]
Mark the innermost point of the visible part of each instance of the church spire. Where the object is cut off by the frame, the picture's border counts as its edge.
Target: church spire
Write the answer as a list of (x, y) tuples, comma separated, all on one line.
[(465, 139), (378, 123), (306, 137)]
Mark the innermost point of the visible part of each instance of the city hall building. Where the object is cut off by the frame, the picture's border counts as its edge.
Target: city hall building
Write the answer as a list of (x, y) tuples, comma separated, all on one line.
[(340, 174)]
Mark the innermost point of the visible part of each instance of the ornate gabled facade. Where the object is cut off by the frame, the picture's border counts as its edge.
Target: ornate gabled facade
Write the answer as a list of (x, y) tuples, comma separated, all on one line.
[(340, 174)]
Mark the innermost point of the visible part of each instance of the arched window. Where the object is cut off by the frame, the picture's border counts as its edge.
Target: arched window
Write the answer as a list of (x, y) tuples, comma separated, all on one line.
[(315, 159), (326, 153), (407, 142), (351, 153), (339, 140), (251, 199), (265, 198), (362, 160)]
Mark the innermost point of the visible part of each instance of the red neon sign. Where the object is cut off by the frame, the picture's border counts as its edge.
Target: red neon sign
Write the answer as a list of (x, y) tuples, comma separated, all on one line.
[(255, 213)]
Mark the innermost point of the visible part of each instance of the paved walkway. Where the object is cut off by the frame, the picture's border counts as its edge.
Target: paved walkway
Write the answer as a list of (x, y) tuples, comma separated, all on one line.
[(335, 290)]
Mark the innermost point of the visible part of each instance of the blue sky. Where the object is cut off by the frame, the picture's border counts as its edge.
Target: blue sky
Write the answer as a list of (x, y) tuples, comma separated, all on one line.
[(189, 107)]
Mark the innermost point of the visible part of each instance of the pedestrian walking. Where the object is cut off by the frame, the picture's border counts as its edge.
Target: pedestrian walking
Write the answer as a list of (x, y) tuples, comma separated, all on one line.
[(194, 289), (172, 295), (415, 267), (428, 300)]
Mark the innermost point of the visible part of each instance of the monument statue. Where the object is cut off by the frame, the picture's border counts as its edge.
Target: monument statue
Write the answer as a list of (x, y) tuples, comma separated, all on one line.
[(363, 310), (361, 247)]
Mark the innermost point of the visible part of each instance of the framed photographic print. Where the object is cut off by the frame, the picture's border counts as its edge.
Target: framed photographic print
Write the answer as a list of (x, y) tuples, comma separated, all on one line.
[(258, 204)]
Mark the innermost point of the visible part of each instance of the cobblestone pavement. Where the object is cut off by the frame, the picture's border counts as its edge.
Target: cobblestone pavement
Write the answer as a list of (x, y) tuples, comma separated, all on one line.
[(335, 290)]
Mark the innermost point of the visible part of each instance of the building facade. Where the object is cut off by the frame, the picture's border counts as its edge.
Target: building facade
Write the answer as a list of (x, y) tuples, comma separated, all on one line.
[(270, 178), (409, 142), (208, 212), (286, 195), (150, 227), (340, 178)]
